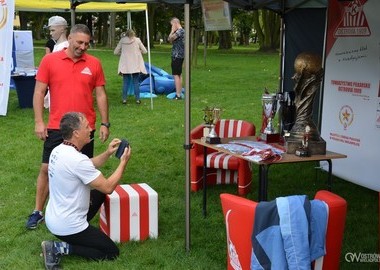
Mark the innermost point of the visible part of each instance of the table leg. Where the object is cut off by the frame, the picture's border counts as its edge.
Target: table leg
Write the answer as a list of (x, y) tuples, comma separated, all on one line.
[(263, 182), (329, 178), (204, 210)]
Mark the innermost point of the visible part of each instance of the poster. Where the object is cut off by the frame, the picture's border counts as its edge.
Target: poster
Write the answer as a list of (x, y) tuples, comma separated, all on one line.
[(351, 97), (6, 32), (216, 15)]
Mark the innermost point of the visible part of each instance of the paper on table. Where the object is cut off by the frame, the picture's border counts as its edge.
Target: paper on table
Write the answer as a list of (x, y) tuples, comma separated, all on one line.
[(253, 150)]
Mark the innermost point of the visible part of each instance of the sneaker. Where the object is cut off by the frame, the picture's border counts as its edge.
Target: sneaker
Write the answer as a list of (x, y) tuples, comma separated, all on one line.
[(124, 101), (34, 219), (138, 101), (177, 97), (51, 259)]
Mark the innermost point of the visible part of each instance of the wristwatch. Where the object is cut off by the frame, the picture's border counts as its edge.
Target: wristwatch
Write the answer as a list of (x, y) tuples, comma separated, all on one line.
[(108, 124)]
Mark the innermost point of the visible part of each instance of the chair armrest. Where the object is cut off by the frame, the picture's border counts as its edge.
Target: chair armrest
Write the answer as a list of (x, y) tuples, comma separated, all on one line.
[(239, 216), (197, 132)]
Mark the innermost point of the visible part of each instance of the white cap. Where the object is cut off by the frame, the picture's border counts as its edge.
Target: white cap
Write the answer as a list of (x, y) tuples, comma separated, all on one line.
[(57, 20)]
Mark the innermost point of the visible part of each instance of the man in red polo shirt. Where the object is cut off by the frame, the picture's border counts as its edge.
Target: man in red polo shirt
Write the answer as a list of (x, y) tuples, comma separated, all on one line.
[(72, 76)]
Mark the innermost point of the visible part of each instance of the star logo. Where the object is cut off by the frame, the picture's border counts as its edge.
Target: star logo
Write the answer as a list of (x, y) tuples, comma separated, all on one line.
[(346, 116)]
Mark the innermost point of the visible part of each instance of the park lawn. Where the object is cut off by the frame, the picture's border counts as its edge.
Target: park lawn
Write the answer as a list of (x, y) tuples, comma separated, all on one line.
[(232, 80)]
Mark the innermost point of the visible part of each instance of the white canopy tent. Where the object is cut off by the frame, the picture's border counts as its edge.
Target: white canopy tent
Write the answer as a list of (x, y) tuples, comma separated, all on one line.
[(68, 6)]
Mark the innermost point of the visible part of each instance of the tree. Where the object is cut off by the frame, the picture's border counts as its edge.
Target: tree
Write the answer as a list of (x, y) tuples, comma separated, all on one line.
[(267, 26), (243, 21)]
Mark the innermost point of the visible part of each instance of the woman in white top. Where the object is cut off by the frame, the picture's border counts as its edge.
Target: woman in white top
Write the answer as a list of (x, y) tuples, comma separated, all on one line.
[(131, 63)]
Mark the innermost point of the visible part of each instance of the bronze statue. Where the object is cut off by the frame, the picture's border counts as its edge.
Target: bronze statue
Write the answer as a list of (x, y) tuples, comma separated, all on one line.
[(308, 76)]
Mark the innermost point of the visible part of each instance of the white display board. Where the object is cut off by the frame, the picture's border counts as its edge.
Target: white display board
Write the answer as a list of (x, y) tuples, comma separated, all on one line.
[(24, 54), (351, 99), (216, 15)]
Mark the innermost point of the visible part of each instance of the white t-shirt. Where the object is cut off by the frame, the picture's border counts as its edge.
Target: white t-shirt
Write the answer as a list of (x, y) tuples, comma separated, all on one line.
[(70, 173), (60, 46), (57, 47)]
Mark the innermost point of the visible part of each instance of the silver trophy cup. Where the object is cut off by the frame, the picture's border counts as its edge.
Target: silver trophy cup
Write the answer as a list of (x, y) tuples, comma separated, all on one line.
[(268, 131)]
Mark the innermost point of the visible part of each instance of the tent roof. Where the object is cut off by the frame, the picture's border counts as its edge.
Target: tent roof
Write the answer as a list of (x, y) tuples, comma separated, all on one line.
[(64, 6)]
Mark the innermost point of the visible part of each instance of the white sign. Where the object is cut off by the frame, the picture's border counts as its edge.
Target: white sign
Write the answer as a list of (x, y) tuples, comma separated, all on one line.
[(216, 15), (351, 100)]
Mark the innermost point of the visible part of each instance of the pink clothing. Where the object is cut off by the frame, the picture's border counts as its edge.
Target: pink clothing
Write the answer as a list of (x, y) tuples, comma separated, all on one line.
[(131, 60), (71, 85)]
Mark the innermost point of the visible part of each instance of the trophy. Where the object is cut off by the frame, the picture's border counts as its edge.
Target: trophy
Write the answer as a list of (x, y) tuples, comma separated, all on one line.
[(303, 151), (213, 118), (268, 132), (208, 119)]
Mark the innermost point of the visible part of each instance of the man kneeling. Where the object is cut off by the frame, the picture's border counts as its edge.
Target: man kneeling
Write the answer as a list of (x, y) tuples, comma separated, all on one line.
[(72, 175)]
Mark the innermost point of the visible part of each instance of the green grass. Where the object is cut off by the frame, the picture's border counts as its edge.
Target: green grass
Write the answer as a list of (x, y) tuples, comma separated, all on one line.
[(233, 80)]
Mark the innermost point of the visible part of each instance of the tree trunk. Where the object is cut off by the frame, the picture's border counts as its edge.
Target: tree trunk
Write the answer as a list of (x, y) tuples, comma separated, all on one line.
[(104, 29), (23, 20), (225, 40), (268, 32), (151, 15), (111, 39)]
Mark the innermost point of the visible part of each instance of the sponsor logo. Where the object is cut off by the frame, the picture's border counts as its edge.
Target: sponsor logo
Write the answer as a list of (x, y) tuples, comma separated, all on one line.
[(87, 71), (346, 116), (3, 13), (354, 22)]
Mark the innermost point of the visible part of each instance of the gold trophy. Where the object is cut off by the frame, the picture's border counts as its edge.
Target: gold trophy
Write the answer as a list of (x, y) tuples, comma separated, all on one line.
[(268, 132), (208, 119), (212, 137)]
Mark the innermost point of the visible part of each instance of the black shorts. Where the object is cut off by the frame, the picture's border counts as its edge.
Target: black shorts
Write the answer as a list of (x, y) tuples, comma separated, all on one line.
[(177, 66), (55, 138)]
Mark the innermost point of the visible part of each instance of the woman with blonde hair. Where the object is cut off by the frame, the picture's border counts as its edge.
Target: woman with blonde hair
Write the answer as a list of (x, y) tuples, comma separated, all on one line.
[(131, 63)]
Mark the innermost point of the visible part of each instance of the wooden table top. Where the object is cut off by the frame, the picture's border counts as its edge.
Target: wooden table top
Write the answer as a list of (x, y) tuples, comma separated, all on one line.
[(286, 158)]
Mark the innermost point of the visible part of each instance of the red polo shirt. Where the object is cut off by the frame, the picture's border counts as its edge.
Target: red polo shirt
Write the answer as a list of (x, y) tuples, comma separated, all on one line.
[(71, 85)]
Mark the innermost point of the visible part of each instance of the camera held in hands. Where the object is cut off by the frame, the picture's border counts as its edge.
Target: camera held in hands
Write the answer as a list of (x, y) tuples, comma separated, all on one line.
[(120, 150)]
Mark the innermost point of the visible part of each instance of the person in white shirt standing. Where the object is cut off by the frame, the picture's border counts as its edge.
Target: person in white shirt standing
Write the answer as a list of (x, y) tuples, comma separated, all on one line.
[(72, 175), (58, 31)]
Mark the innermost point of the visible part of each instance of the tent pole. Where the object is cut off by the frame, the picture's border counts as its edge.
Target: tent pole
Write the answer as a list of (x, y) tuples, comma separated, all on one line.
[(187, 145), (72, 11), (150, 64)]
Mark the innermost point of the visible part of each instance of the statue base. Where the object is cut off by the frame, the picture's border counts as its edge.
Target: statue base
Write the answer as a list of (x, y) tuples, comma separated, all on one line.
[(302, 152), (314, 147), (213, 140), (270, 138)]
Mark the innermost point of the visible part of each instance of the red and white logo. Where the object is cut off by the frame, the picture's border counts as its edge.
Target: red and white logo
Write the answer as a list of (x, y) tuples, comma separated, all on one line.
[(354, 22)]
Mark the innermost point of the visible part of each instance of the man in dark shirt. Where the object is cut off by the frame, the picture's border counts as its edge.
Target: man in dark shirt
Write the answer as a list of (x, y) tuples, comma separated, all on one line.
[(177, 38)]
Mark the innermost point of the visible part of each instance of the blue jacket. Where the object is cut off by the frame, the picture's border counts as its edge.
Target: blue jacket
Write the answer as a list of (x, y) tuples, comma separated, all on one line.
[(288, 233)]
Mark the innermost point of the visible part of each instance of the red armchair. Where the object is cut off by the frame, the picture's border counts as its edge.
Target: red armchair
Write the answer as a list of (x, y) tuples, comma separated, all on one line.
[(239, 216), (222, 168)]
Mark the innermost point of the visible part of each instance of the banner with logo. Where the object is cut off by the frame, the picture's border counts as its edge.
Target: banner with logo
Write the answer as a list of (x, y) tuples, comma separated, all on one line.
[(216, 15), (6, 34), (351, 99)]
